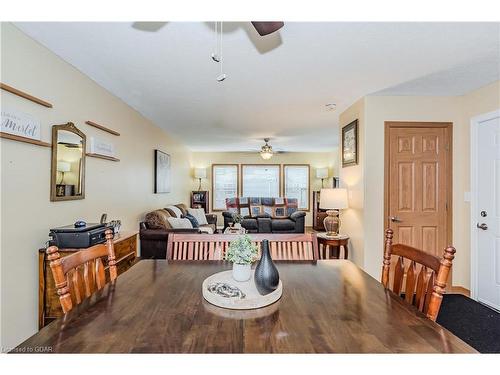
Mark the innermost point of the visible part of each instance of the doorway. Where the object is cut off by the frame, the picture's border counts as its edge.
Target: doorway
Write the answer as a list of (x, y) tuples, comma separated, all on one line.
[(485, 209), (418, 184)]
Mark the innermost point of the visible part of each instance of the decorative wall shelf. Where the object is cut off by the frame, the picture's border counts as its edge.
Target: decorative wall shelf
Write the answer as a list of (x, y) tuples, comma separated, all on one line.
[(24, 95), (24, 139), (103, 128), (110, 158)]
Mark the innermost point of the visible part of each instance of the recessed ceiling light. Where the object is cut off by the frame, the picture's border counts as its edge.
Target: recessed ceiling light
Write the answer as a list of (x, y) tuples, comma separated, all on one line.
[(331, 106)]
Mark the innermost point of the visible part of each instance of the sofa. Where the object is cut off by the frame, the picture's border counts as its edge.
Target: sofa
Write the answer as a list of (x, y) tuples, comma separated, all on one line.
[(266, 215), (154, 230)]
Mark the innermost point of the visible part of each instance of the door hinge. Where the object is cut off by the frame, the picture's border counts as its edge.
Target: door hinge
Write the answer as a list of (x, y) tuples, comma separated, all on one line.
[(447, 147), (446, 206)]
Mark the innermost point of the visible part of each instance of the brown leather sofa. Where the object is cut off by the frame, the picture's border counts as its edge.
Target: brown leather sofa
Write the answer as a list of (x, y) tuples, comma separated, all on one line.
[(154, 231)]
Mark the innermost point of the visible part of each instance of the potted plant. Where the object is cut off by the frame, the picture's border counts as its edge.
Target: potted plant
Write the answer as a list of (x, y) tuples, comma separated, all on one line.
[(242, 252), (237, 218)]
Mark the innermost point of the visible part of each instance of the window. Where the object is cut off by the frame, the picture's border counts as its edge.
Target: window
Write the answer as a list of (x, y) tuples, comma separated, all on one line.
[(261, 180), (297, 184), (224, 184)]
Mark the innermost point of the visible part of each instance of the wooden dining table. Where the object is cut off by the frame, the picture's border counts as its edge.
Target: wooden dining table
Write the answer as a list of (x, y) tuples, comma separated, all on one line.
[(327, 306)]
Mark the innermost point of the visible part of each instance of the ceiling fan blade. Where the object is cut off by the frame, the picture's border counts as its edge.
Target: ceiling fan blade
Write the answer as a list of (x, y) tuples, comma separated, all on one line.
[(265, 28)]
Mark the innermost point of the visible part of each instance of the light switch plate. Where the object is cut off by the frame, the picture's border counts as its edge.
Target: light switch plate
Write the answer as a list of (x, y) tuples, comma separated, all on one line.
[(467, 196)]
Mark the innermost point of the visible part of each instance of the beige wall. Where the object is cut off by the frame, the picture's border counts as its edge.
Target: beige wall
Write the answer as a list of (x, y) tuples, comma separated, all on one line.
[(458, 110), (314, 159), (124, 189), (352, 178)]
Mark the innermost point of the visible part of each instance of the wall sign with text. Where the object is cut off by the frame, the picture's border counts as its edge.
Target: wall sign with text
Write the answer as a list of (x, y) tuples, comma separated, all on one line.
[(101, 147), (20, 124)]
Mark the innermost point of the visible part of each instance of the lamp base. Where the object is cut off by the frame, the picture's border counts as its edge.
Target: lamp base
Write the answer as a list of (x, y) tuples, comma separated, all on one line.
[(332, 223)]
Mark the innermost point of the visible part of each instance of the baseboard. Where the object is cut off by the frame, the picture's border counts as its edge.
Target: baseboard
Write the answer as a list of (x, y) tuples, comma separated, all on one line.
[(459, 290)]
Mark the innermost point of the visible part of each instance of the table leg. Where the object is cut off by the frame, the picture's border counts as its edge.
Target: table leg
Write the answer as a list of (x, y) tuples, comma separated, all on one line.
[(346, 252)]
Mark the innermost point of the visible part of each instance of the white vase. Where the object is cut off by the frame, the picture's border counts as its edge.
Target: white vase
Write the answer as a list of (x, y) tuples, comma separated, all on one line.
[(242, 272), (237, 225)]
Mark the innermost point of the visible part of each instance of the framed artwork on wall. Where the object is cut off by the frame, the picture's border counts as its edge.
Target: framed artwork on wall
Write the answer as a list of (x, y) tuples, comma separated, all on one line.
[(350, 144), (162, 172)]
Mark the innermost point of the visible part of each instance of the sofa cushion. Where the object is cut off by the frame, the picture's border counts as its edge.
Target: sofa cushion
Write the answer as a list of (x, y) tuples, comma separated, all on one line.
[(283, 225), (158, 219), (178, 223), (199, 214), (174, 211), (192, 219), (249, 224)]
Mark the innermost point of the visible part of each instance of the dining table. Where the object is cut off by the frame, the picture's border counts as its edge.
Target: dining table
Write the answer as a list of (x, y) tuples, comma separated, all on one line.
[(327, 306)]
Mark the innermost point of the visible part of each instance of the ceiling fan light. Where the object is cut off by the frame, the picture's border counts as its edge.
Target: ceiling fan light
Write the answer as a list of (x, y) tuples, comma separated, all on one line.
[(266, 155), (266, 151)]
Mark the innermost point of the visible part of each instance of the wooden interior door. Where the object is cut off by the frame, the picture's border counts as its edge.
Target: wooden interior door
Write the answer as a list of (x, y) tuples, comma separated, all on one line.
[(418, 184)]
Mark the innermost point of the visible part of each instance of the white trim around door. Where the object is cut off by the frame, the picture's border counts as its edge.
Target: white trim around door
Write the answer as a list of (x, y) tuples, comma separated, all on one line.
[(474, 216)]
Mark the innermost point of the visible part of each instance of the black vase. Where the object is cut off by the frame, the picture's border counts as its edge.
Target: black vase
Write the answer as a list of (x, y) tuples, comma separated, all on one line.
[(266, 276)]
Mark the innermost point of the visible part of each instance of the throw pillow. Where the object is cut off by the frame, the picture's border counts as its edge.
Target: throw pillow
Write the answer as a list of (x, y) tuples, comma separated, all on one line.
[(158, 219), (199, 214), (207, 230), (174, 211), (192, 219), (182, 207), (177, 223)]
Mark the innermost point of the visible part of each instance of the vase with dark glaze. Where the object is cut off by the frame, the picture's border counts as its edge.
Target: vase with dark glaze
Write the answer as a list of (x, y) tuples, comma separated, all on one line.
[(266, 274)]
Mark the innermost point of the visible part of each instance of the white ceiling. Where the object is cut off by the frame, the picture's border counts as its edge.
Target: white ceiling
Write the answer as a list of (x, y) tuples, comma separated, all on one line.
[(278, 85)]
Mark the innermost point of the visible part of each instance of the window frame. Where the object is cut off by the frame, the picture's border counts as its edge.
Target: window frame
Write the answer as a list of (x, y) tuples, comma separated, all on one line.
[(280, 179), (213, 183), (308, 184)]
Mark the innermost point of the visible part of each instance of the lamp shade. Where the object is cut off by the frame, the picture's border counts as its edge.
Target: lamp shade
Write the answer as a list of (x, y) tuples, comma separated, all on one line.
[(200, 173), (63, 166), (333, 199), (321, 172)]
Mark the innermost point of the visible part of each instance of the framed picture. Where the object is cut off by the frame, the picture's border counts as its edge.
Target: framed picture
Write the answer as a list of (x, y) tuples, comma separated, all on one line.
[(350, 144), (162, 172)]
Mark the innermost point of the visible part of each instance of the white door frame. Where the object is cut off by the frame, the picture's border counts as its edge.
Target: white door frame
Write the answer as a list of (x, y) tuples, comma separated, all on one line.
[(475, 122)]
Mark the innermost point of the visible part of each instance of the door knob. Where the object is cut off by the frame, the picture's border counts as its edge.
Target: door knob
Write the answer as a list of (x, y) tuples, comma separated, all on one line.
[(482, 226), (395, 219)]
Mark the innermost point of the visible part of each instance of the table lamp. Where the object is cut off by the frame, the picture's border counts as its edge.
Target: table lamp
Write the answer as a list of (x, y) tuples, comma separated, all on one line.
[(322, 173), (332, 200), (200, 173), (63, 167)]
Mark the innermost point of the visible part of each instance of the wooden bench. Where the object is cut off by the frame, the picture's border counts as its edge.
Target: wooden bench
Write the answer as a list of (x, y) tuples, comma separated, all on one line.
[(183, 246)]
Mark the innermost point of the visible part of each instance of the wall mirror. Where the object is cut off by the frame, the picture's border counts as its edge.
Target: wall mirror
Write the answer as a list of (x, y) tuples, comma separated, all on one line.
[(68, 163)]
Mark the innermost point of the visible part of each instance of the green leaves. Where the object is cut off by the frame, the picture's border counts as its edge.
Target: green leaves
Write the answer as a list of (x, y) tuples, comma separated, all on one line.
[(242, 250)]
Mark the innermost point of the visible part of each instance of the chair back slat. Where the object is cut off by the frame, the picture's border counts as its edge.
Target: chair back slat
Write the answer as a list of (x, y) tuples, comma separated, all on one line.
[(421, 288), (89, 276), (79, 275), (398, 276), (423, 281), (411, 280), (185, 246)]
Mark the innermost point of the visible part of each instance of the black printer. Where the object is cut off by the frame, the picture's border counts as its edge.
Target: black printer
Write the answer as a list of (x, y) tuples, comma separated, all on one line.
[(73, 237)]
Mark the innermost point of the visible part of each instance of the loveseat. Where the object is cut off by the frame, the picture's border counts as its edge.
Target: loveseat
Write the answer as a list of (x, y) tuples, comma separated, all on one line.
[(266, 215), (154, 230)]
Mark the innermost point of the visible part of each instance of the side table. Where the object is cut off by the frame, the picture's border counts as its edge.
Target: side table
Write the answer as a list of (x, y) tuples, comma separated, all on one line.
[(329, 246)]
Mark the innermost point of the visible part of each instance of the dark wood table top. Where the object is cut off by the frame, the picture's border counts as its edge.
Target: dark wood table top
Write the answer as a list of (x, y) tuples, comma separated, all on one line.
[(328, 306)]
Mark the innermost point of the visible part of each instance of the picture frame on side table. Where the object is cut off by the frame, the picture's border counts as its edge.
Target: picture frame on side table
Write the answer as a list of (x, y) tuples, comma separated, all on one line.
[(350, 144), (162, 172)]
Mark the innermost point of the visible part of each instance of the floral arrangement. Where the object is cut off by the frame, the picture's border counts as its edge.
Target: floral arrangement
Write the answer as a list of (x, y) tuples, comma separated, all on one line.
[(242, 250), (237, 218)]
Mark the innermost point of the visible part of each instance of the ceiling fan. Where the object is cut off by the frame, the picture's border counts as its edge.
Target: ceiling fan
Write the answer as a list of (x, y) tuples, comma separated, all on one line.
[(263, 27)]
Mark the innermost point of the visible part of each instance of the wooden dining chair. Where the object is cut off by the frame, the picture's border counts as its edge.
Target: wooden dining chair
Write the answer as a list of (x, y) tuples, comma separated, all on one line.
[(184, 246), (79, 275), (424, 285)]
